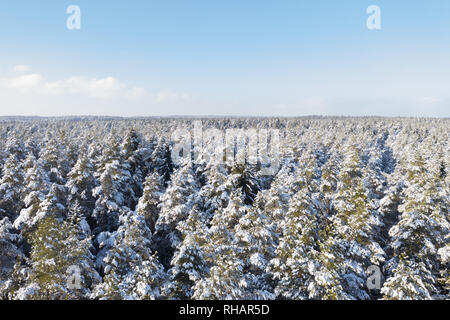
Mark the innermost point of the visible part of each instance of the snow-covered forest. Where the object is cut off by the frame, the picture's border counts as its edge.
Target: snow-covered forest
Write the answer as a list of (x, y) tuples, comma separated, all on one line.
[(97, 209)]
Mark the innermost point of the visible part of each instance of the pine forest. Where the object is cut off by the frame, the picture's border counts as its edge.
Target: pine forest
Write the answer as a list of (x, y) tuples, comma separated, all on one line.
[(98, 208)]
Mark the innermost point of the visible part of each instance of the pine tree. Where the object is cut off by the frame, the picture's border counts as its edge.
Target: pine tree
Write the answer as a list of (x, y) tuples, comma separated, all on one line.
[(53, 205), (15, 147), (217, 189), (9, 254), (243, 177), (132, 271), (297, 250), (52, 161), (55, 250), (148, 203), (11, 188), (226, 278), (352, 235), (256, 237), (275, 201), (444, 257), (417, 237), (161, 160), (110, 201), (176, 204), (37, 187), (188, 265), (80, 184), (131, 154)]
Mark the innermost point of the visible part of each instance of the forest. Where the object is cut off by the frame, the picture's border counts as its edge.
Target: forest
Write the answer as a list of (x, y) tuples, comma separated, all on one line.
[(97, 208)]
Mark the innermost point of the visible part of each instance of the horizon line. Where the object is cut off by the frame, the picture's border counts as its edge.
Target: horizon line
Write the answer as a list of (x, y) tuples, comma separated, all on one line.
[(3, 117)]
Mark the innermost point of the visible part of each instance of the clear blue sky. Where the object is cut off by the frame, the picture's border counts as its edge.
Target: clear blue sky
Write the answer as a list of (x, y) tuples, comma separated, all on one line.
[(217, 57)]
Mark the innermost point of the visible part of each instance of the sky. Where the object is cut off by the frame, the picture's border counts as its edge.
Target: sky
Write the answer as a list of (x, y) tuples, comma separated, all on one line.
[(225, 57)]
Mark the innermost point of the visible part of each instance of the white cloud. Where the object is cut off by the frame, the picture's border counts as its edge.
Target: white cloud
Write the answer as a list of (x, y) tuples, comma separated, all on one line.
[(136, 93), (304, 106), (313, 105), (99, 88), (431, 100), (21, 68), (25, 83), (92, 87), (89, 95), (168, 96)]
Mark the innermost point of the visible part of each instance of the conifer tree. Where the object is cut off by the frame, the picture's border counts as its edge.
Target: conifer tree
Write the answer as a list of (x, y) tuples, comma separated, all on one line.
[(131, 154), (226, 278), (188, 265), (225, 281), (15, 147), (80, 185), (9, 254), (243, 177), (352, 237), (256, 237), (148, 203), (416, 238), (110, 201), (56, 249), (176, 204), (161, 160), (274, 202), (214, 195), (297, 250), (52, 160), (132, 271), (37, 186), (11, 188)]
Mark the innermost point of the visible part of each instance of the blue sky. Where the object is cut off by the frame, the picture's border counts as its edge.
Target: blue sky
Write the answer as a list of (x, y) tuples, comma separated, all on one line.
[(234, 57)]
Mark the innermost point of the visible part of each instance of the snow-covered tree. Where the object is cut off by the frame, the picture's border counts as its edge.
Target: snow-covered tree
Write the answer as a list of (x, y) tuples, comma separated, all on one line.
[(110, 201), (39, 207), (243, 177), (417, 236), (226, 278), (148, 203), (131, 270), (80, 184), (176, 204), (133, 155), (351, 236), (297, 250), (52, 158), (257, 239), (56, 253), (11, 188), (161, 160), (102, 196), (9, 254), (188, 265)]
